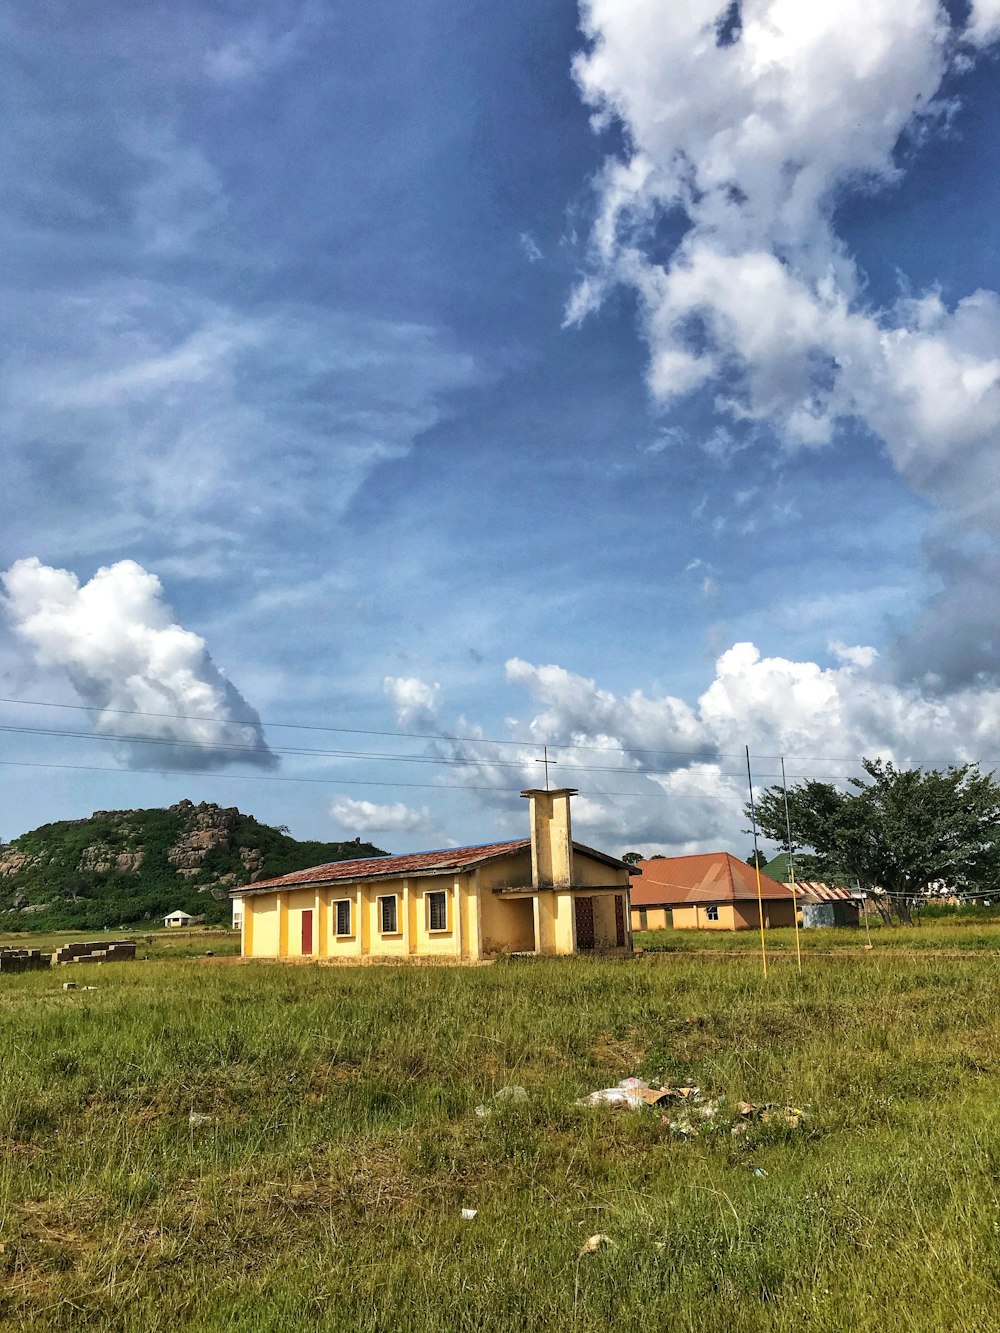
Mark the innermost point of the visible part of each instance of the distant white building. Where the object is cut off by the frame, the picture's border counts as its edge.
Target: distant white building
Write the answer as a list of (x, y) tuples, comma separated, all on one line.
[(237, 914), (178, 919)]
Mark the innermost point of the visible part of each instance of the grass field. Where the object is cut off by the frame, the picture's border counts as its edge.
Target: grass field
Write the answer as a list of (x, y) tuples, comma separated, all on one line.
[(935, 934), (152, 944), (324, 1187)]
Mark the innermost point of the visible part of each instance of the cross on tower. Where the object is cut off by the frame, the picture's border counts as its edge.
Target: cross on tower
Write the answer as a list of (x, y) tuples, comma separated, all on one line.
[(546, 761)]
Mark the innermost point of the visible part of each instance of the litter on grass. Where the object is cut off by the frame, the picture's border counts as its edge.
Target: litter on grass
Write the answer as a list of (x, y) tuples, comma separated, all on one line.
[(635, 1093), (514, 1093), (690, 1113), (468, 1214), (593, 1243)]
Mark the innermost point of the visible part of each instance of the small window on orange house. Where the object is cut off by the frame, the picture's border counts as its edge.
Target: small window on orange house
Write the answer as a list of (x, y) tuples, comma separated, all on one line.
[(343, 906), (712, 912)]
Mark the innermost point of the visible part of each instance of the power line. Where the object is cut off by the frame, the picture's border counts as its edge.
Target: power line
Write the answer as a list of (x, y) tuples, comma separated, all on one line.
[(708, 754), (235, 750), (326, 782)]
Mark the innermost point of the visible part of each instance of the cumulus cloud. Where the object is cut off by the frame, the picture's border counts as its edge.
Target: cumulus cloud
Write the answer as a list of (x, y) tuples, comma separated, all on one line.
[(367, 817), (115, 639), (415, 701), (740, 137), (668, 775)]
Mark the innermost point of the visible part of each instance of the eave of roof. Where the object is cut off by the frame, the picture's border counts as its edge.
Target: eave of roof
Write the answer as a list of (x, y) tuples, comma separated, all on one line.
[(414, 865)]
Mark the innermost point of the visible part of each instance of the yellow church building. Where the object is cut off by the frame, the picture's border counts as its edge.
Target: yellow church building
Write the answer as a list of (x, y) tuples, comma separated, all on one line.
[(544, 894)]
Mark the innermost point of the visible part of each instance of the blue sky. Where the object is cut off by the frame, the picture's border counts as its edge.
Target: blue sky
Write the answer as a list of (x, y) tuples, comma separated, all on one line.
[(498, 376)]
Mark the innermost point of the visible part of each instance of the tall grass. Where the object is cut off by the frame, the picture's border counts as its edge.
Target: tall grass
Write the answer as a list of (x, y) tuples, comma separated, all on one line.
[(334, 1142)]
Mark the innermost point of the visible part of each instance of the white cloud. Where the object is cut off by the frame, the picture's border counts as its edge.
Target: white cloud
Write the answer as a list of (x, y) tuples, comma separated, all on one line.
[(114, 638), (753, 141), (529, 247), (367, 817), (414, 700), (667, 775), (155, 414)]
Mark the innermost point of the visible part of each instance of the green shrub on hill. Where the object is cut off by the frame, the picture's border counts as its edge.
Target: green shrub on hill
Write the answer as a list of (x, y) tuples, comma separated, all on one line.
[(128, 867)]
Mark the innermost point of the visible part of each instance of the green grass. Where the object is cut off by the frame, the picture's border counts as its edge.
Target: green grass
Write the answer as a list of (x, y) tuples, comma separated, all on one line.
[(935, 934), (325, 1189), (151, 944)]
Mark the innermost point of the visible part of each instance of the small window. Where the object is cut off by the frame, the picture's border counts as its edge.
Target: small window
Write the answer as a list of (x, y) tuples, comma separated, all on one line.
[(643, 919), (344, 916), (437, 911), (387, 916), (712, 912)]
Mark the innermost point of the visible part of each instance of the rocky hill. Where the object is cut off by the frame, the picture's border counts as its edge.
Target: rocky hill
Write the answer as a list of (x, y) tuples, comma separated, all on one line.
[(125, 867)]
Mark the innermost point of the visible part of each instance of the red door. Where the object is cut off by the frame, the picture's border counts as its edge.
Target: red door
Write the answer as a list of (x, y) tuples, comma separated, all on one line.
[(307, 933)]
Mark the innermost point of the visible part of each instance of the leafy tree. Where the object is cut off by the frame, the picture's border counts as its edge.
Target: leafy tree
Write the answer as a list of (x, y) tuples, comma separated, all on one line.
[(901, 832), (757, 859), (632, 858)]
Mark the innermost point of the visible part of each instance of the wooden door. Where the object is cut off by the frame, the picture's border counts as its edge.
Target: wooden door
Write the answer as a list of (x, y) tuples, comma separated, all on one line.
[(307, 933), (619, 920), (584, 908)]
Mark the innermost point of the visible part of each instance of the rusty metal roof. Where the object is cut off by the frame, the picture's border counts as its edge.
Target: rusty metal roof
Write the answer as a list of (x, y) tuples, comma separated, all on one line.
[(711, 877), (815, 891), (415, 863), (389, 867)]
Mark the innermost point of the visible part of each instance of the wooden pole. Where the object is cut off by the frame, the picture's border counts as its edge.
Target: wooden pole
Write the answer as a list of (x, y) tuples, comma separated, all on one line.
[(791, 866), (756, 858)]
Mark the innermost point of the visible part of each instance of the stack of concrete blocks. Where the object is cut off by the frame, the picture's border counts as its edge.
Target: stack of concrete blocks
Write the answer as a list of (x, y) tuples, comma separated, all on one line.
[(115, 951), (24, 960)]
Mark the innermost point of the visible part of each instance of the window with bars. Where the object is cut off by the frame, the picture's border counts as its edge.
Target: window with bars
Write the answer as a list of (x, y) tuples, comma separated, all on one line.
[(343, 916), (437, 911), (712, 913), (388, 919)]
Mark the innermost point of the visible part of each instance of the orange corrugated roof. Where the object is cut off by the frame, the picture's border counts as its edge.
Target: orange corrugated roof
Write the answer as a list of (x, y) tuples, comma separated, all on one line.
[(711, 877)]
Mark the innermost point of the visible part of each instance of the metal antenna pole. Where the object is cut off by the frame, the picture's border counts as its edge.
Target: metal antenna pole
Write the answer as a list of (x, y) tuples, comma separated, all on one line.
[(756, 857), (791, 866)]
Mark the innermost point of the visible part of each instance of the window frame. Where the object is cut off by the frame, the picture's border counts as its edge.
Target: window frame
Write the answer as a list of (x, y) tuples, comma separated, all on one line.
[(444, 896), (711, 911), (337, 904), (394, 899)]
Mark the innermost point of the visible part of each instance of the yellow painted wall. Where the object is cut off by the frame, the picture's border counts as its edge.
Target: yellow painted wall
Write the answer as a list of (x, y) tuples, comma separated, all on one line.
[(260, 923), (734, 916), (479, 922), (507, 924), (657, 918), (586, 870), (605, 929)]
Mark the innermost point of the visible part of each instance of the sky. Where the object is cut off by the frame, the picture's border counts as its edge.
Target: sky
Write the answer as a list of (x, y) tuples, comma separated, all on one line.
[(389, 392)]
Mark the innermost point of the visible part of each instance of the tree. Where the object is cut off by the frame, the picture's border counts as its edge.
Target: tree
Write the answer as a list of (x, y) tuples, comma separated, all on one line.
[(902, 832), (757, 859), (632, 858)]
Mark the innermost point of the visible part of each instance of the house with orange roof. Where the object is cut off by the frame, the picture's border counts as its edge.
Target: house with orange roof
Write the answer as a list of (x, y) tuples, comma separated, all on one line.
[(712, 891), (544, 894)]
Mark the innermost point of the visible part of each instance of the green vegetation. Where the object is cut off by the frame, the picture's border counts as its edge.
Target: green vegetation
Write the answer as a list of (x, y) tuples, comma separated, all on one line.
[(902, 832), (333, 1143), (130, 867)]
